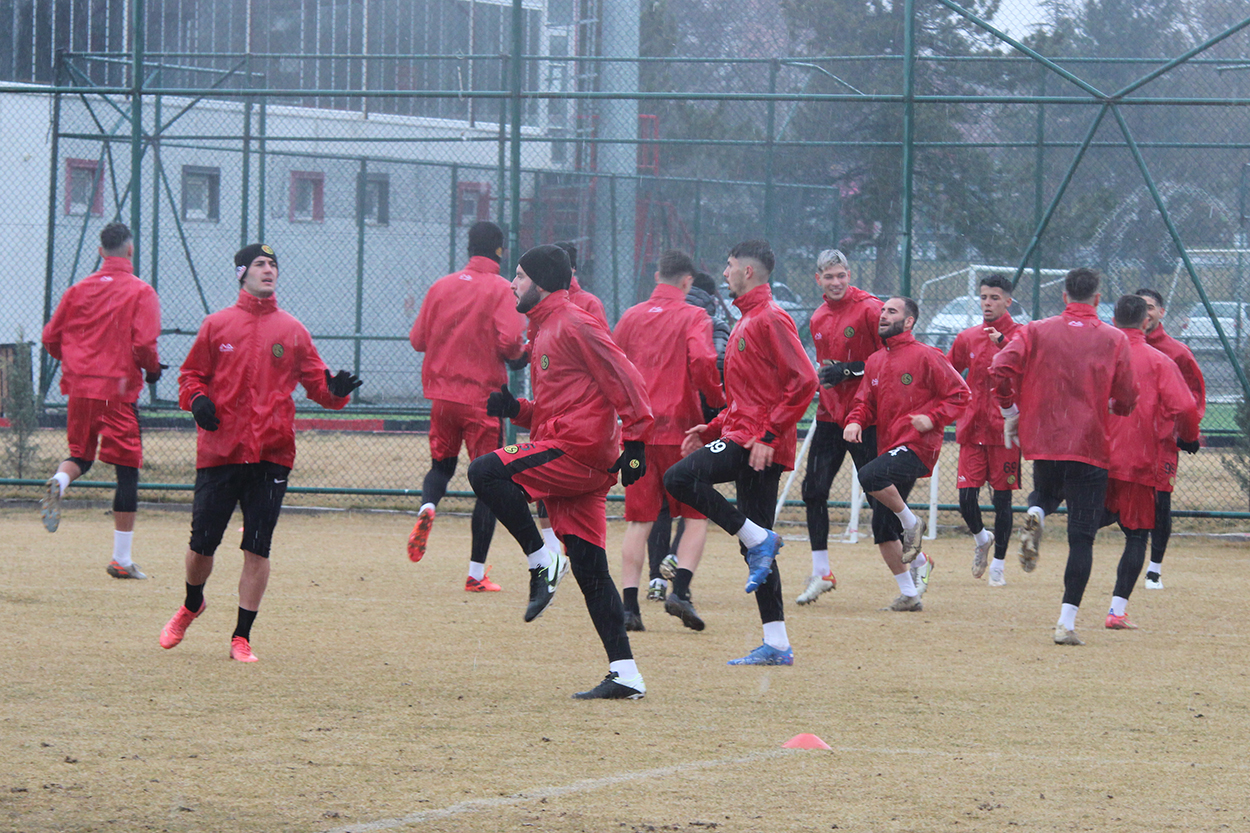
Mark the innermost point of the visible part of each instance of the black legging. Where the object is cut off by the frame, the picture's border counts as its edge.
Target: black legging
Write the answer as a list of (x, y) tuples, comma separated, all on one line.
[(692, 481), (1163, 526), (482, 527), (824, 459), (970, 509), (1084, 488), (1131, 561), (492, 483)]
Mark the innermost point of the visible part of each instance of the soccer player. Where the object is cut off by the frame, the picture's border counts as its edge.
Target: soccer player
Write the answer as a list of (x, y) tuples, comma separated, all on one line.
[(582, 382), (670, 343), (104, 334), (769, 382), (237, 383), (1165, 407), (1157, 338), (1055, 382), (982, 456), (844, 330), (468, 328), (911, 393)]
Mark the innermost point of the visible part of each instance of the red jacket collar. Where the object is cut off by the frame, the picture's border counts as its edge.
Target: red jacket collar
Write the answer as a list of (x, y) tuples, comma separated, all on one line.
[(1001, 323), (1075, 309), (853, 294), (544, 308), (757, 297), (667, 292), (113, 265), (483, 264), (1157, 335), (1136, 335), (257, 306), (900, 340)]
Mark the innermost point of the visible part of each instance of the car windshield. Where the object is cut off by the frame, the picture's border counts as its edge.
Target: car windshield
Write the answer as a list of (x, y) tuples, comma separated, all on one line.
[(962, 307)]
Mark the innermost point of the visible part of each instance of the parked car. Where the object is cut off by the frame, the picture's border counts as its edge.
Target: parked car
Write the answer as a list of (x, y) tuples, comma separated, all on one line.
[(956, 316), (1199, 333)]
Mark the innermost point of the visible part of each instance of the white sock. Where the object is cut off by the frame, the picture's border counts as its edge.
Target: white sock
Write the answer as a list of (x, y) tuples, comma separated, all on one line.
[(920, 560), (997, 565), (540, 558), (905, 585), (906, 516), (775, 635), (984, 536), (63, 479), (476, 570), (1037, 510), (820, 563), (1067, 616), (627, 673), (549, 536), (752, 534), (1119, 604), (1155, 567), (425, 506), (121, 547)]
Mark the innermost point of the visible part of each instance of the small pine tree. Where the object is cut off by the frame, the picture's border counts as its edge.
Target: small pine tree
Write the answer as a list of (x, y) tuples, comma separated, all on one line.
[(21, 453), (1237, 463)]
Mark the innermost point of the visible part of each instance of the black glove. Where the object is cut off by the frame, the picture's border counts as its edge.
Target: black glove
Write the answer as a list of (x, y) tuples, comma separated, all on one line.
[(502, 403), (520, 362), (1188, 447), (205, 412), (152, 378), (342, 383), (632, 464), (837, 372)]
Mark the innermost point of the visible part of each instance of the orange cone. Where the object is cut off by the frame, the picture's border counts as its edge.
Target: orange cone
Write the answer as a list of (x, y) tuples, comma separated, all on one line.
[(805, 741)]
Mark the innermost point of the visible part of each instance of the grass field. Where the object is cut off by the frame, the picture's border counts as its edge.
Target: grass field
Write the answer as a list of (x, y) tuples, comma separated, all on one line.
[(386, 698)]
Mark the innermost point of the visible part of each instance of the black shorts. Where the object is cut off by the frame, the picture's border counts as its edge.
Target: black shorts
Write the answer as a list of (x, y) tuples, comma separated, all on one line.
[(898, 467), (258, 488)]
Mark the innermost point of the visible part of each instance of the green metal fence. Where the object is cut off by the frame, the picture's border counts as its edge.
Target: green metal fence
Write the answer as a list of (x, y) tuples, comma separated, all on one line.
[(934, 148)]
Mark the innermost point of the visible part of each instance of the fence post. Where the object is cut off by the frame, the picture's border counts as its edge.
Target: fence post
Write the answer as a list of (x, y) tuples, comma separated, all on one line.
[(361, 176), (54, 163), (260, 174), (774, 67), (136, 121), (909, 105), (518, 65), (454, 220)]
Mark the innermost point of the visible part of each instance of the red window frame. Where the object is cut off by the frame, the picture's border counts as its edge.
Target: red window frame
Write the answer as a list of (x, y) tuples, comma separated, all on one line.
[(318, 179)]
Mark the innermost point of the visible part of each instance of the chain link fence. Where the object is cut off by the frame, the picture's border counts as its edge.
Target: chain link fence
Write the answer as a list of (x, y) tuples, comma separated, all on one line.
[(362, 140)]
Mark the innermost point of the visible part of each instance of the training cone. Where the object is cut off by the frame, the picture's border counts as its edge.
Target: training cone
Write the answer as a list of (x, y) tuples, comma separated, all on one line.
[(805, 741)]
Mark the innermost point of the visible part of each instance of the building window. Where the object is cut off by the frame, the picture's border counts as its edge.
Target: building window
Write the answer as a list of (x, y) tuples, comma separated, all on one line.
[(374, 198), (84, 187), (473, 202), (201, 189), (307, 196)]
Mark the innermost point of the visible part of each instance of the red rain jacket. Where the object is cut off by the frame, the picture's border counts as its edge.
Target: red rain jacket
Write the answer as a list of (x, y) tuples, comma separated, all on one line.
[(1064, 372), (670, 343), (973, 351), (247, 359), (1164, 406), (104, 334), (904, 379), (467, 327), (844, 331), (769, 380), (589, 302), (1188, 365), (581, 382)]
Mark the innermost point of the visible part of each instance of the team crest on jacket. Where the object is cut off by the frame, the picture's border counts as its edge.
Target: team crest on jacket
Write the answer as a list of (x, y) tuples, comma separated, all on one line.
[(544, 362), (511, 449), (849, 332), (906, 380), (277, 351), (742, 344), (1011, 480)]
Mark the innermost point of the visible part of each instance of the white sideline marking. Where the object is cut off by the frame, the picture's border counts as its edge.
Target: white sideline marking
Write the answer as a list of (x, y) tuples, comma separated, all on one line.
[(477, 805)]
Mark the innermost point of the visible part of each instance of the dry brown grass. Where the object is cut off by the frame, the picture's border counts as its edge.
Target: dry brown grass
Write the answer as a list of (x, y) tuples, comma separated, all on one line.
[(388, 699)]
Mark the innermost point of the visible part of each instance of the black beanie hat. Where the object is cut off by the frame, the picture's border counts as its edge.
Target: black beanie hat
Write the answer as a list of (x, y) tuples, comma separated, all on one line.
[(243, 257), (547, 266), (486, 240)]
